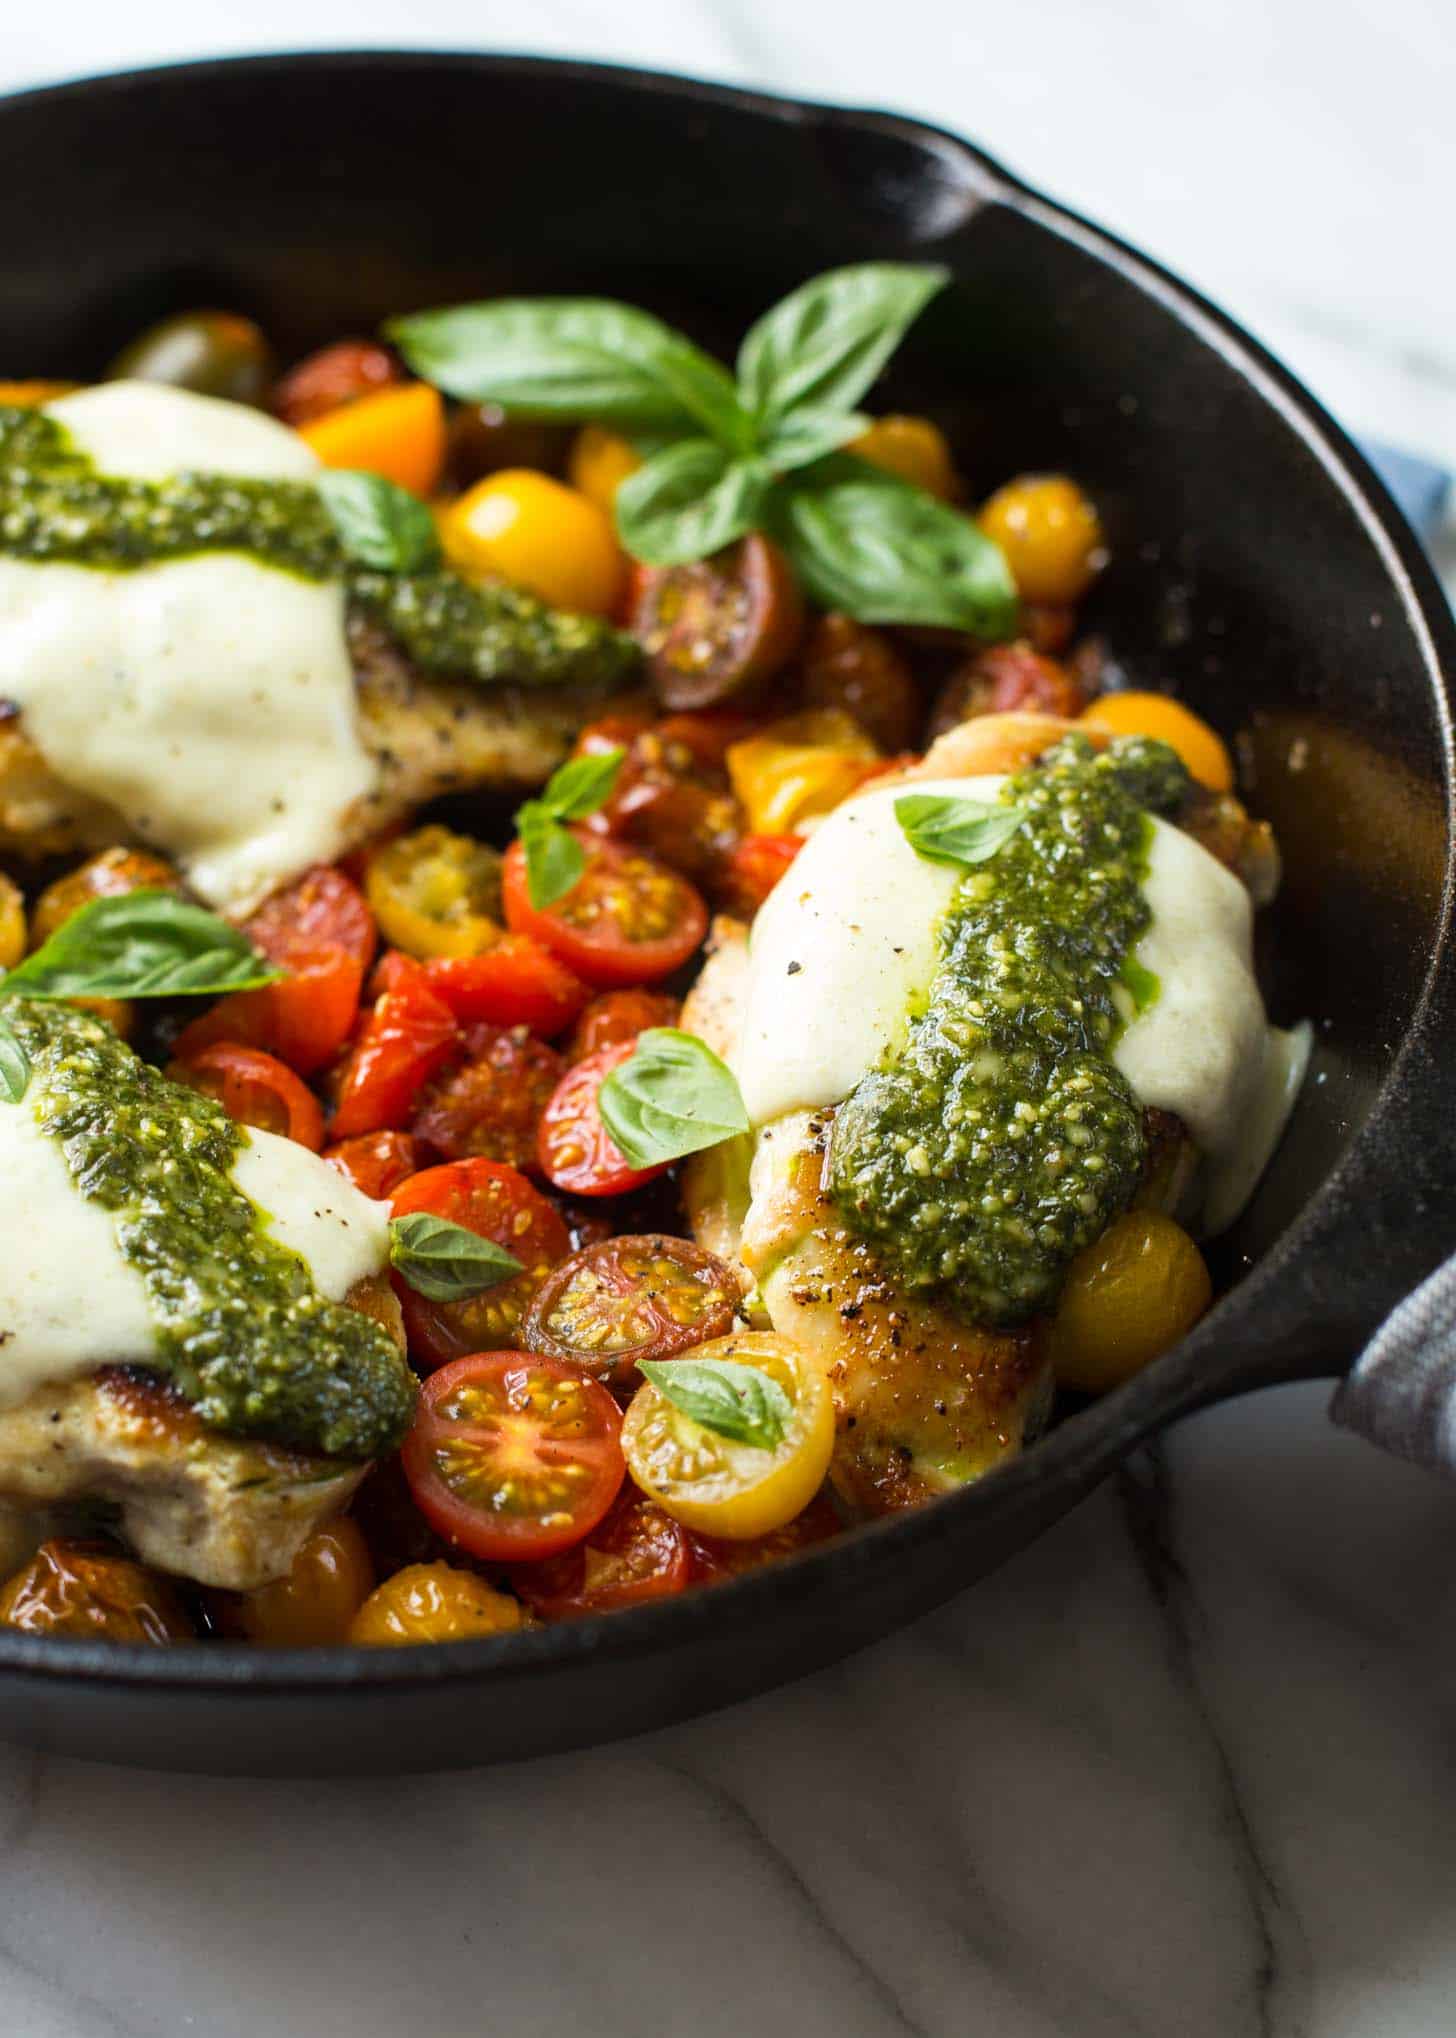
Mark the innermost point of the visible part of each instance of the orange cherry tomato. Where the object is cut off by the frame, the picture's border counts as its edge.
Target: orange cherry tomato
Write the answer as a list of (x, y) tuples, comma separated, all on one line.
[(490, 1105), (256, 1089), (399, 433), (638, 1553), (619, 1015), (405, 1037), (434, 1603), (574, 1149), (497, 1203), (317, 1599), (515, 983), (332, 377), (1202, 749), (628, 919), (513, 1457), (378, 1162), (626, 1299), (103, 876)]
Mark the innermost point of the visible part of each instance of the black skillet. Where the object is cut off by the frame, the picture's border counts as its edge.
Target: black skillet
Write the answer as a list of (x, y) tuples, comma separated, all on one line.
[(1260, 569)]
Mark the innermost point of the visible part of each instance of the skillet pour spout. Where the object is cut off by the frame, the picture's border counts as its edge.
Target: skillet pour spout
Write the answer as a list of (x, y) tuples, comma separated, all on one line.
[(1260, 571)]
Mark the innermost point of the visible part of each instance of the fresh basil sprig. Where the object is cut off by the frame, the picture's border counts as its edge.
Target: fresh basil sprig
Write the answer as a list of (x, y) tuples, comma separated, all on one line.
[(14, 1066), (378, 523), (444, 1261), (143, 944), (671, 1096), (761, 452), (737, 1401), (944, 829), (554, 858)]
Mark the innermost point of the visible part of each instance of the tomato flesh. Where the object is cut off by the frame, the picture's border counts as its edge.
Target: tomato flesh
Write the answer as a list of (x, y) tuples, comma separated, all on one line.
[(612, 1305), (333, 376), (616, 1016), (516, 983), (377, 1162), (721, 627), (715, 1559), (499, 1204), (628, 919), (491, 1104), (407, 1035), (574, 1149), (255, 1089), (513, 1457), (753, 868), (638, 1553)]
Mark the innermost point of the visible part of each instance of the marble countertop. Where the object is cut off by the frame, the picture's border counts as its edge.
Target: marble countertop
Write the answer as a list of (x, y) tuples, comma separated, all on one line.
[(1185, 1767)]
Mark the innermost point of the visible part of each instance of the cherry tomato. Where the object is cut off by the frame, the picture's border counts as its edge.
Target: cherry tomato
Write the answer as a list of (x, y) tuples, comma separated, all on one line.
[(397, 432), (12, 922), (1051, 535), (433, 1603), (619, 1015), (1201, 748), (799, 767), (104, 876), (316, 1601), (638, 1553), (321, 934), (482, 440), (671, 796), (538, 534), (850, 666), (573, 1147), (912, 448), (515, 983), (599, 463), (501, 1205), (1021, 678), (716, 1560), (612, 1305), (754, 867), (216, 353), (256, 1089), (333, 376), (718, 1484), (720, 627), (407, 1035), (78, 1588), (377, 1162), (492, 1104), (628, 919), (436, 893), (512, 1456)]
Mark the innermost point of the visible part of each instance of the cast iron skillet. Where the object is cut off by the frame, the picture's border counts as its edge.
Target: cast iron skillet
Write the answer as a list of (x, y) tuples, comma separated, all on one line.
[(1260, 569)]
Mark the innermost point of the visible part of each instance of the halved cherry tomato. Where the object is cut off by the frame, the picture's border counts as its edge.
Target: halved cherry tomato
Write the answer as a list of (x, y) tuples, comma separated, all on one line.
[(377, 1162), (334, 376), (720, 627), (515, 983), (848, 665), (398, 432), (492, 1103), (716, 1483), (612, 1305), (716, 1560), (256, 1089), (573, 1147), (321, 934), (753, 868), (512, 1456), (638, 1553), (499, 1204), (620, 1015), (798, 767), (670, 796), (628, 919), (436, 893), (407, 1035)]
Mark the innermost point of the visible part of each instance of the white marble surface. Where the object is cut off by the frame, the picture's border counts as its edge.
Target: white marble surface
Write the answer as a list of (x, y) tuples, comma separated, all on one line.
[(1185, 1768)]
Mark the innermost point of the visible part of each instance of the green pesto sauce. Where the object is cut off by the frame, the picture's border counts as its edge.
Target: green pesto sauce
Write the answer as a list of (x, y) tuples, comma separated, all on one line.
[(241, 1329), (56, 506), (1000, 1139)]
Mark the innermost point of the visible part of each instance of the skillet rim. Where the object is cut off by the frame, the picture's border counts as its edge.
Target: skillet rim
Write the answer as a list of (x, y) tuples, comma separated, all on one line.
[(1088, 1444)]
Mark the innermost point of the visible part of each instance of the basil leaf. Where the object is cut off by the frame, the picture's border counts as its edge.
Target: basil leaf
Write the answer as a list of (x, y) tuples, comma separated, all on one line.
[(445, 1261), (806, 435), (825, 343), (145, 944), (671, 1096), (581, 785), (734, 1400), (14, 1066), (689, 501), (944, 829), (379, 524), (885, 552), (554, 857), (581, 358)]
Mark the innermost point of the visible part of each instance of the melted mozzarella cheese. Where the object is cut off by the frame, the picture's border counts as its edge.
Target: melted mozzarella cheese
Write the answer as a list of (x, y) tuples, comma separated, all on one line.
[(71, 1302), (845, 947), (209, 700)]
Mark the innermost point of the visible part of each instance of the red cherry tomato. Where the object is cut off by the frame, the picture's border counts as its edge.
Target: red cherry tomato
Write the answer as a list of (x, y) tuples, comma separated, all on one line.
[(619, 1015), (321, 933), (407, 1035), (671, 795), (377, 1162), (626, 1299), (513, 1457), (628, 919), (715, 1559), (573, 1147), (638, 1553), (492, 1104), (256, 1089), (499, 1204), (333, 376), (1020, 678), (516, 983), (847, 665), (754, 867)]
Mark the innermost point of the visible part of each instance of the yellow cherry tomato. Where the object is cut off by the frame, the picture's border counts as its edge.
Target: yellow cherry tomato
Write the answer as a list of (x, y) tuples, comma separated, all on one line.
[(714, 1483), (799, 767), (538, 534), (397, 432), (1154, 714), (434, 1603), (315, 1604), (1051, 535), (911, 447), (600, 462), (436, 893), (12, 923), (27, 395), (1128, 1298)]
